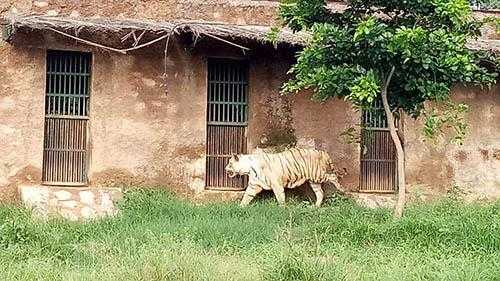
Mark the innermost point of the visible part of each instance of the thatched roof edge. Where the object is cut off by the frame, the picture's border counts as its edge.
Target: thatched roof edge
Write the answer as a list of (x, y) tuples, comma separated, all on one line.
[(224, 30), (104, 25)]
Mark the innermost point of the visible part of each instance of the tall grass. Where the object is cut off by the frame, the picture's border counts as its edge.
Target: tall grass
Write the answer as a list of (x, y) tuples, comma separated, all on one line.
[(159, 237)]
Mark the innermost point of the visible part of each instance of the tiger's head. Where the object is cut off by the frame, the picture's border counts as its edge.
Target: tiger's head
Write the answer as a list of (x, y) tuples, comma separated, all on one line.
[(238, 165)]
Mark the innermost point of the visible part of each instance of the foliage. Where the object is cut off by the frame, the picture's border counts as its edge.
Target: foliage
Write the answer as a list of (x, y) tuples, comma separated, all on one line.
[(350, 53), (352, 134), (13, 233), (158, 237), (493, 22), (273, 35), (450, 117)]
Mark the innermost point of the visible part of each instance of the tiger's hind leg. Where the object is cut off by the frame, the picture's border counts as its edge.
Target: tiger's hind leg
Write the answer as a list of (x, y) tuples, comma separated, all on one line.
[(316, 187)]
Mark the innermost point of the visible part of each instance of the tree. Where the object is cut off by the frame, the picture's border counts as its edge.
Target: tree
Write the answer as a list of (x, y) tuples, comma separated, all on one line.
[(405, 53)]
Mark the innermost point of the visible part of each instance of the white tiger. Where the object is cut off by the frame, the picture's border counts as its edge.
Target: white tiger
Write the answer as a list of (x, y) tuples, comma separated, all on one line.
[(287, 169)]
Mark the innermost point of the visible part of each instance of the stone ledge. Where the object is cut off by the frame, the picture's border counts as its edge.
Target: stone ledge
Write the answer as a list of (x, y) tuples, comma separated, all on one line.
[(218, 196), (72, 203), (373, 200)]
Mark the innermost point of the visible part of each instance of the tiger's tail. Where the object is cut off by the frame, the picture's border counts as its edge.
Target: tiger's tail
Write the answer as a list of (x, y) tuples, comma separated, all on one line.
[(334, 174)]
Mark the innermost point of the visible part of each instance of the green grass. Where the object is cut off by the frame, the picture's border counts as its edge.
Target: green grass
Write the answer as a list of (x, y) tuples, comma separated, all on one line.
[(158, 237)]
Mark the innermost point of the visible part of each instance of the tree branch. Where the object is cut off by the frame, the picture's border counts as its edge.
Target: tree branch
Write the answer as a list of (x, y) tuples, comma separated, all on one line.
[(87, 42), (388, 80), (401, 178)]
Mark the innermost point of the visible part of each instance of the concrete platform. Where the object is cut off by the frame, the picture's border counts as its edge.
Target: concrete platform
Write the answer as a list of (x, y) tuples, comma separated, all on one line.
[(72, 203)]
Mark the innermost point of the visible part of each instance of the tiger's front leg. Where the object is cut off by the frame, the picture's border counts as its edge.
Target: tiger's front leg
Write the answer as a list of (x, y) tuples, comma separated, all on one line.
[(250, 193), (279, 192)]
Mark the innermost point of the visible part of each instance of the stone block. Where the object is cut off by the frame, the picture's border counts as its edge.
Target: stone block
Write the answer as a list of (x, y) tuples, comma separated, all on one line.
[(107, 205), (197, 185), (74, 14), (41, 3), (70, 204), (35, 198), (88, 213), (87, 197), (62, 195), (52, 13)]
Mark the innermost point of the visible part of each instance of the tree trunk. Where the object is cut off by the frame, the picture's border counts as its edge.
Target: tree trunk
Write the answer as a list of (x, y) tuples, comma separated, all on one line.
[(398, 209)]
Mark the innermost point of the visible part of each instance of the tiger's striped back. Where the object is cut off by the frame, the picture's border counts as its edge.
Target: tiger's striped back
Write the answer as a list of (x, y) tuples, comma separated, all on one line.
[(295, 166)]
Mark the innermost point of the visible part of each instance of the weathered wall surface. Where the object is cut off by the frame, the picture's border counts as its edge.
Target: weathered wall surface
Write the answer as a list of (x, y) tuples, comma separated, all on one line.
[(473, 167), (433, 168), (21, 125), (322, 125), (231, 11), (139, 133), (282, 121), (259, 12), (146, 131)]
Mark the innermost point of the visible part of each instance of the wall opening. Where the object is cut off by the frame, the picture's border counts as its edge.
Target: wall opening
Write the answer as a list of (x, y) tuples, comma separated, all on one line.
[(67, 97), (378, 153), (227, 121)]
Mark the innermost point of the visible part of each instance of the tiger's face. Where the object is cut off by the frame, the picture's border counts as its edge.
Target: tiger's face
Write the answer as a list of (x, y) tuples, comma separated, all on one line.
[(238, 165)]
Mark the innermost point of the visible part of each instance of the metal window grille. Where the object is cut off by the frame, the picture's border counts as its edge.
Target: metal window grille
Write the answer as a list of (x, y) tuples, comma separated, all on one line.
[(227, 119), (227, 93), (65, 157), (378, 153)]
